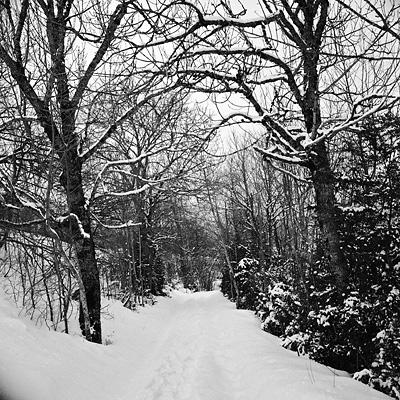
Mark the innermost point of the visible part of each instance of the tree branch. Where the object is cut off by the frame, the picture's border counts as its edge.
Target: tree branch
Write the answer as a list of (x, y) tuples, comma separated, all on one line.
[(113, 24)]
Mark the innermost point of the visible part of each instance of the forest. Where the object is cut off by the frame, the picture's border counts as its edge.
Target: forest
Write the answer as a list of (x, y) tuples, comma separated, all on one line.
[(153, 143)]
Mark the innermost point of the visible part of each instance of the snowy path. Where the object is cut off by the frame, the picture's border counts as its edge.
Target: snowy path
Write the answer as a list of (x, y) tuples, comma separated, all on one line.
[(192, 357), (205, 349), (188, 347)]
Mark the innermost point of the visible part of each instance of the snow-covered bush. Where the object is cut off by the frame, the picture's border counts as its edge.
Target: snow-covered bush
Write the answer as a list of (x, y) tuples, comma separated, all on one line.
[(281, 306), (249, 281), (358, 329), (297, 342), (278, 308), (340, 332), (385, 369), (369, 185)]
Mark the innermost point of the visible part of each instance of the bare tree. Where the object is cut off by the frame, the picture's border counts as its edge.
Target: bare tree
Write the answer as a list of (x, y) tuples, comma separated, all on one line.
[(288, 70), (64, 58)]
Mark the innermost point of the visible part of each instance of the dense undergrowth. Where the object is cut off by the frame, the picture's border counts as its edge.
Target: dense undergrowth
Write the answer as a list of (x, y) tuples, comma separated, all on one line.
[(356, 330)]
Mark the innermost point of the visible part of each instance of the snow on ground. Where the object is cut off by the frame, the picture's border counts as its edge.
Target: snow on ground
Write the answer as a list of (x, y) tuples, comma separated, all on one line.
[(187, 347)]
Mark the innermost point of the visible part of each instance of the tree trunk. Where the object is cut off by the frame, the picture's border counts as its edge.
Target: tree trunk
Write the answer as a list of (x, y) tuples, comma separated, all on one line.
[(184, 268), (323, 183), (80, 229), (90, 277), (319, 163)]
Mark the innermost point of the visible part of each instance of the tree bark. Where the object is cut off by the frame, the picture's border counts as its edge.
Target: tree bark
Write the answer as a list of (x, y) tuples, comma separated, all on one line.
[(81, 234), (323, 183), (319, 163)]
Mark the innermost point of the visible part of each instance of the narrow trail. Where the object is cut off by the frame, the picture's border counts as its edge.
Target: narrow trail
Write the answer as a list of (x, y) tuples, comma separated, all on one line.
[(192, 355), (205, 349)]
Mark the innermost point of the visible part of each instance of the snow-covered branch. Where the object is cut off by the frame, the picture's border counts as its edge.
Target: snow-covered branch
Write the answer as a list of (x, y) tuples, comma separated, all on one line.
[(291, 174), (71, 217), (202, 21), (128, 224), (131, 192), (132, 161), (354, 118), (286, 158)]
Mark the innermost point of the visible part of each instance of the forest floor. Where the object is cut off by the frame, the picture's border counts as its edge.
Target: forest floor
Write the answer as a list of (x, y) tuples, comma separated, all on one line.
[(186, 347)]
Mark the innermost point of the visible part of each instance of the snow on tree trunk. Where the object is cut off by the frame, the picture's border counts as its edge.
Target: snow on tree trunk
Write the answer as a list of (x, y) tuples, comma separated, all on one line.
[(81, 235)]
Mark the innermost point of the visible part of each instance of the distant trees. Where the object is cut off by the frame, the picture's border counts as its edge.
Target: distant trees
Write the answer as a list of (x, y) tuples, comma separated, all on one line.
[(265, 215), (147, 166)]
